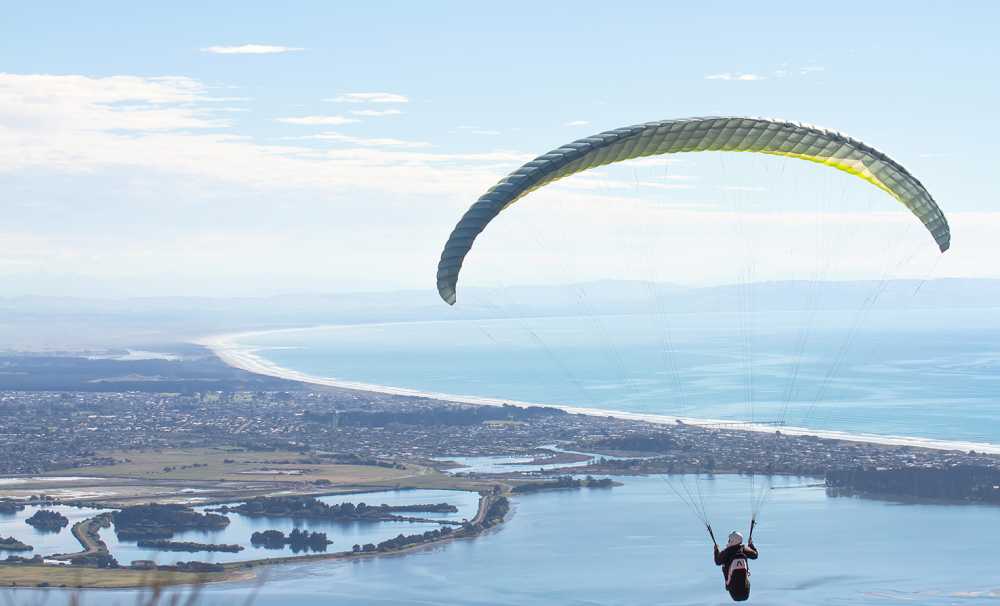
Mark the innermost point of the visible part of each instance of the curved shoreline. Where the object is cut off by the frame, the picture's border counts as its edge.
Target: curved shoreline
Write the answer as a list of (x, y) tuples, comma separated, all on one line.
[(243, 357)]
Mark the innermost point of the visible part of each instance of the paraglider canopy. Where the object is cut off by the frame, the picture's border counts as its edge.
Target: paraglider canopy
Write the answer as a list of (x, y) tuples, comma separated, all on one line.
[(731, 134)]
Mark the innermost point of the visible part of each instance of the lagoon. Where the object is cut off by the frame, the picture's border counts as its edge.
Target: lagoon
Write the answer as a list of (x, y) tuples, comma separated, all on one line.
[(637, 544), (343, 534)]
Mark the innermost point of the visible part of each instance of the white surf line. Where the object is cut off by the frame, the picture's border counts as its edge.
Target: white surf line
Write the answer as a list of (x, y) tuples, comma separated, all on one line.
[(244, 357)]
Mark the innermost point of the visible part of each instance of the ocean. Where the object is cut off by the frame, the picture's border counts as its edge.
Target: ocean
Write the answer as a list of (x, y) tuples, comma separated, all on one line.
[(922, 373)]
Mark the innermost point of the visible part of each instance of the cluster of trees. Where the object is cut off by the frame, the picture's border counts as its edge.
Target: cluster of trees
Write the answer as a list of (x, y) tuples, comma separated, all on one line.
[(170, 468), (637, 443), (188, 546), (494, 515), (965, 482), (298, 540), (498, 510), (563, 482), (12, 544), (45, 519), (311, 507), (162, 521), (402, 541), (9, 507)]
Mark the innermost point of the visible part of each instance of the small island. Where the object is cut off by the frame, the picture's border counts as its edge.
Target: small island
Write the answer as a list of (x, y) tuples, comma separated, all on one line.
[(9, 507), (312, 508), (563, 482), (48, 520), (12, 544), (298, 540), (148, 522), (188, 546)]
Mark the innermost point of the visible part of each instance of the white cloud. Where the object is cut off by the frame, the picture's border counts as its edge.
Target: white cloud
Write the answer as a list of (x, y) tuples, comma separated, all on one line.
[(152, 197), (577, 123), (735, 77), (370, 98), (251, 49), (375, 112), (319, 120), (366, 142), (128, 103), (120, 125)]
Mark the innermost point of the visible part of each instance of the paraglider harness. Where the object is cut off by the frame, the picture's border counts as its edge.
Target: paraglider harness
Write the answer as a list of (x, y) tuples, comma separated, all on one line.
[(737, 563)]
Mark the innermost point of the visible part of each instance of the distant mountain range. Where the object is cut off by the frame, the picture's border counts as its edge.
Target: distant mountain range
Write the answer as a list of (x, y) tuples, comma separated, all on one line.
[(32, 322)]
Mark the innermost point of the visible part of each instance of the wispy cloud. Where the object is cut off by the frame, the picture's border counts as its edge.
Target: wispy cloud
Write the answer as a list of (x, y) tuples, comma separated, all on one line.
[(123, 103), (366, 142), (251, 49), (76, 124), (370, 98), (375, 112), (735, 77), (318, 120), (577, 123)]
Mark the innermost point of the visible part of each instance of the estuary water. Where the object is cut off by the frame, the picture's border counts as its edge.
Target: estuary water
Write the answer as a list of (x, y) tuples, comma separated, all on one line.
[(343, 534), (636, 544)]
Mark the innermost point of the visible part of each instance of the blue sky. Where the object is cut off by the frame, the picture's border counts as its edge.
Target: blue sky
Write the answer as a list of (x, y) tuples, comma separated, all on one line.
[(147, 150)]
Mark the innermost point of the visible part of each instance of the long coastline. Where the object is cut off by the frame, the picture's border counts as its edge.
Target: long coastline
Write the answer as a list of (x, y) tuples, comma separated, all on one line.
[(227, 348)]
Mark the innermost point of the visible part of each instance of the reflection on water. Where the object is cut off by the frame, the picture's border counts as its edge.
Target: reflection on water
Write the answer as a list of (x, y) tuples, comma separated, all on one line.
[(343, 534), (503, 464), (45, 542)]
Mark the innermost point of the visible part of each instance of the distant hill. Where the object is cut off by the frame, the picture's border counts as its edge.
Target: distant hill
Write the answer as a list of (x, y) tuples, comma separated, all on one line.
[(56, 322)]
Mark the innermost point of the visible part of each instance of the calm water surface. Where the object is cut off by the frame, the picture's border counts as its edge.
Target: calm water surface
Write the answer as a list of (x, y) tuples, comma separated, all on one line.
[(637, 544), (343, 534), (45, 542)]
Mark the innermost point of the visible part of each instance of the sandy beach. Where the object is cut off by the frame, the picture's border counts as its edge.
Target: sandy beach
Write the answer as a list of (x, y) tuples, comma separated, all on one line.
[(229, 349)]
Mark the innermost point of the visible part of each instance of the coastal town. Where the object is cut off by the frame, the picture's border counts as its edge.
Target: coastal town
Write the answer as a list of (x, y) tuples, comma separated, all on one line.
[(43, 431), (138, 457)]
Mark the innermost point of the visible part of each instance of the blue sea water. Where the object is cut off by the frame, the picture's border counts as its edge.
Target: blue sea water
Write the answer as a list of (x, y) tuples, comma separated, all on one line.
[(636, 544), (924, 373)]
